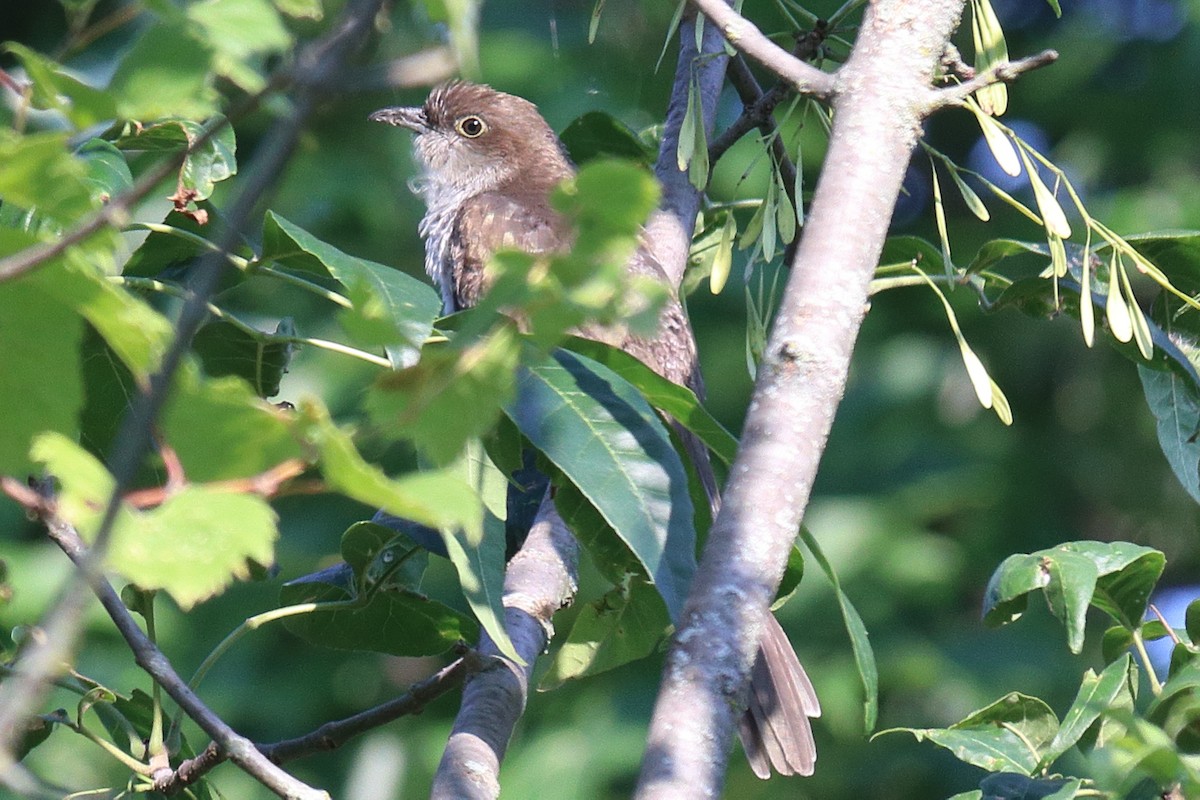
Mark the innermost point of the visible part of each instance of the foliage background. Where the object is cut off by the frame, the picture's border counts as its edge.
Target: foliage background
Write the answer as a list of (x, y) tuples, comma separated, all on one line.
[(921, 495)]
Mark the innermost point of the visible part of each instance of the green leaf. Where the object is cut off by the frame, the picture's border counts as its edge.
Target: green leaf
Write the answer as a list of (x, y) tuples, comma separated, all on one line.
[(864, 655), (1116, 577), (41, 388), (997, 737), (1192, 621), (165, 74), (1011, 786), (383, 557), (1175, 403), (54, 88), (107, 173), (438, 499), (628, 623), (1096, 695), (406, 306), (192, 546), (38, 173), (452, 395), (221, 429), (678, 401), (203, 168), (793, 573), (224, 349), (196, 543), (240, 33), (600, 432), (478, 553), (390, 621), (301, 9), (600, 135)]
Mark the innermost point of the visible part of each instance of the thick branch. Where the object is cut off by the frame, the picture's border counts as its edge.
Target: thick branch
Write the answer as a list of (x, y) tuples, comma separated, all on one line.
[(746, 37), (1006, 72), (541, 578), (879, 105)]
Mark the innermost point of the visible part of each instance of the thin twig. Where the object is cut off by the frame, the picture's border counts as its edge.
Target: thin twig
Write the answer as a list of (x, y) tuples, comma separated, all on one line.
[(329, 736), (147, 655), (1006, 72), (746, 37)]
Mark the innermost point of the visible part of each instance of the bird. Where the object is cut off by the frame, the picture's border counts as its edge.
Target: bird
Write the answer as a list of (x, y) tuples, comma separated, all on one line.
[(489, 162)]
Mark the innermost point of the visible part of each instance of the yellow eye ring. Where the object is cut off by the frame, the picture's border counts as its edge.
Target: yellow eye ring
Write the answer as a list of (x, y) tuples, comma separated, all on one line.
[(471, 126)]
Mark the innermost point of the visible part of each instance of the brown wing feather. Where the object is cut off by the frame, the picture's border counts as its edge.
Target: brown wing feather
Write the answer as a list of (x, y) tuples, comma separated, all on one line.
[(495, 221)]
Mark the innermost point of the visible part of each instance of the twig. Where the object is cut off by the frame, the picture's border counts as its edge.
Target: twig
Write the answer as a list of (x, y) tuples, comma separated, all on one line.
[(746, 37), (329, 736), (42, 659), (1006, 72), (759, 106), (147, 655)]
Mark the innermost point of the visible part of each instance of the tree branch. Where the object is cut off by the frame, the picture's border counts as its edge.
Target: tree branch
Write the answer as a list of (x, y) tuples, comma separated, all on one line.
[(883, 96), (1006, 72), (669, 231), (237, 748), (42, 658), (746, 37), (329, 736), (541, 578)]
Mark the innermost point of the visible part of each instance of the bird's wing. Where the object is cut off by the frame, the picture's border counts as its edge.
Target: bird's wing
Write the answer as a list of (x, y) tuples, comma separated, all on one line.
[(493, 221)]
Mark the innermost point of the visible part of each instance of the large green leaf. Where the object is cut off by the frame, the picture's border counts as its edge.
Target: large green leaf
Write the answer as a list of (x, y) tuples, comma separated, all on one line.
[(478, 553), (454, 394), (597, 134), (628, 623), (192, 546), (166, 73), (391, 308), (1116, 577), (204, 167), (608, 442), (225, 349), (1097, 693), (241, 33), (1006, 736), (438, 499), (40, 384), (221, 429), (678, 401)]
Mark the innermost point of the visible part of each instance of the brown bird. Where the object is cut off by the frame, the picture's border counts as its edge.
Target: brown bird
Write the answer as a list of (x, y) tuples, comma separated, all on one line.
[(490, 162)]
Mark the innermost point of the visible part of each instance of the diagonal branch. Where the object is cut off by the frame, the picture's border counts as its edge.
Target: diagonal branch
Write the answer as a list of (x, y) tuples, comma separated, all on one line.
[(746, 37), (147, 655), (1006, 72), (879, 109), (329, 736)]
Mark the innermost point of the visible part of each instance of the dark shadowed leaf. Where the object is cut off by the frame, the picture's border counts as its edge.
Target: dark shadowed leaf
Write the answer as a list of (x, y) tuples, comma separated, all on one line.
[(597, 134)]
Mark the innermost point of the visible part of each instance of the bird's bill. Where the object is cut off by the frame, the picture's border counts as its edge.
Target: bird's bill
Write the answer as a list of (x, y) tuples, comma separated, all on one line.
[(409, 117)]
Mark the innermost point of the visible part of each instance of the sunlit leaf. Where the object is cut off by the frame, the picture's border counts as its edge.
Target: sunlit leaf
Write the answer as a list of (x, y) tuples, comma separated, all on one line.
[(998, 142)]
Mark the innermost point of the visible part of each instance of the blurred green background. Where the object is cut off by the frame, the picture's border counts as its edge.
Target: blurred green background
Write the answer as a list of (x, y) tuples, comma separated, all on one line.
[(921, 495)]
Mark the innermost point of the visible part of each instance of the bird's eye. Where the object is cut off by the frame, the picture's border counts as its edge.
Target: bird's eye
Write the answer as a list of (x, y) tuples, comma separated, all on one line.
[(470, 127)]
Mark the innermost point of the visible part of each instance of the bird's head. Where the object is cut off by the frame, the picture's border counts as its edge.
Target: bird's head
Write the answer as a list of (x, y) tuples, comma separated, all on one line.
[(473, 139)]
